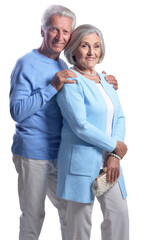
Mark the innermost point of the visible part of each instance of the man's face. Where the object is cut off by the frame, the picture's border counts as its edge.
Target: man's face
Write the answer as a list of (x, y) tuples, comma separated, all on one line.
[(56, 35)]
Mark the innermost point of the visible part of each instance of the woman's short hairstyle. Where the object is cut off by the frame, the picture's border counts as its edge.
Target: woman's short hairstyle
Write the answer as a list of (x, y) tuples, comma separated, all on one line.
[(60, 11), (76, 37)]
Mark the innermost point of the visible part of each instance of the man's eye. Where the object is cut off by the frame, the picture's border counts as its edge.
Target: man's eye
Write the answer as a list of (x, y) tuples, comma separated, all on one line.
[(66, 32), (52, 29)]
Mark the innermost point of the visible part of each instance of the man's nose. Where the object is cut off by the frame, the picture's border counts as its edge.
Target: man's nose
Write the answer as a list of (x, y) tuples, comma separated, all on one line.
[(59, 35)]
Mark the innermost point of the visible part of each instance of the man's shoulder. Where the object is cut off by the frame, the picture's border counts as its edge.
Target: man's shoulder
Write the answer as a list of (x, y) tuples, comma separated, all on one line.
[(62, 63), (28, 58)]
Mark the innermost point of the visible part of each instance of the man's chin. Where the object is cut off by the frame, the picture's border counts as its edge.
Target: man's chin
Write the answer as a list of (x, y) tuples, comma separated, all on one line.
[(58, 47)]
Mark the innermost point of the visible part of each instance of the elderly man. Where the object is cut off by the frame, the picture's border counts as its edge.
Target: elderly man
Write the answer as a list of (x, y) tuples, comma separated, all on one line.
[(35, 81)]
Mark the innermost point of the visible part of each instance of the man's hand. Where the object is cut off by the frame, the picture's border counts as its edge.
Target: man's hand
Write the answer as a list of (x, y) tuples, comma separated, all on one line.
[(112, 80), (61, 78), (113, 169)]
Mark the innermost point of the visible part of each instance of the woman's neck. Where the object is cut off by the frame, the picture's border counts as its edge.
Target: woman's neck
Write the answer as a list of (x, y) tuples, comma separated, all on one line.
[(92, 75), (89, 71)]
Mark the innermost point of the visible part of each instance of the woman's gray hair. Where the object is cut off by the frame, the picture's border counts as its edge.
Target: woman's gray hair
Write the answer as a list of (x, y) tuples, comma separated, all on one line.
[(60, 11), (76, 37)]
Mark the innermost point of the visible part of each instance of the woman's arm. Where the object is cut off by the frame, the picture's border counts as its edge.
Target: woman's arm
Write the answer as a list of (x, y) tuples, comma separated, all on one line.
[(71, 102)]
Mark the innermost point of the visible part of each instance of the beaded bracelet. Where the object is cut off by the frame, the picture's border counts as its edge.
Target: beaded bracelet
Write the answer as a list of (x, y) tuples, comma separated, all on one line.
[(115, 155)]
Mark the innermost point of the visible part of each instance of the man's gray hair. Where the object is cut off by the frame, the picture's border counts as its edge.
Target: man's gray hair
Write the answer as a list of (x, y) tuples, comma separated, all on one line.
[(75, 40), (60, 11)]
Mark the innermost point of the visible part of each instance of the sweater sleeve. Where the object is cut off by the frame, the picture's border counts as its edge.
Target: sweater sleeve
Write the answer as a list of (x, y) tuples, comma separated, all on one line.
[(71, 102), (24, 101)]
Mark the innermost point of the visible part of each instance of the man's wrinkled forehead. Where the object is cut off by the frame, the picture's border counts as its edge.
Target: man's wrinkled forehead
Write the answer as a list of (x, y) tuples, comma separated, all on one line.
[(59, 20)]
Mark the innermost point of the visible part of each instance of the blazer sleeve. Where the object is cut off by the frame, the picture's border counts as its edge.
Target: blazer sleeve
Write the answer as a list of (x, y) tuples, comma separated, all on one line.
[(71, 102), (118, 131)]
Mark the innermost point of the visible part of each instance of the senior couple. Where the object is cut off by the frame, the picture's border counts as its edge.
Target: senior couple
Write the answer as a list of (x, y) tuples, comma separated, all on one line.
[(67, 120)]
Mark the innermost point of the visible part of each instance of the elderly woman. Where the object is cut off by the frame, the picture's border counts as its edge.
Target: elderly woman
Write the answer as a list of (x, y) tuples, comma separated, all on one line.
[(93, 124)]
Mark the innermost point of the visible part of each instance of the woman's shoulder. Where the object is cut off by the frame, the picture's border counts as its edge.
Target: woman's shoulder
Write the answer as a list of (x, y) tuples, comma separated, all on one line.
[(104, 82), (79, 77)]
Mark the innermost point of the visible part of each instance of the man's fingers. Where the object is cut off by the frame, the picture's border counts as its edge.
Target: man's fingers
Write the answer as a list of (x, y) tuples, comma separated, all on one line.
[(69, 81), (69, 73), (115, 86), (65, 74)]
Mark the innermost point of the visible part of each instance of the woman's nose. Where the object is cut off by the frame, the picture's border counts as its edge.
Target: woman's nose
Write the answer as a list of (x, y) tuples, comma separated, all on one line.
[(90, 51)]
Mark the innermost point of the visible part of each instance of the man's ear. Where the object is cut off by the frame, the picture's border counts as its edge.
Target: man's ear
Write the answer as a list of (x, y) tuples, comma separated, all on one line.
[(42, 32)]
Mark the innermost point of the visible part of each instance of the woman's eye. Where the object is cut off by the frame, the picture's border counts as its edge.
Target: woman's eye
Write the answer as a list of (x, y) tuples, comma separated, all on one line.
[(84, 46)]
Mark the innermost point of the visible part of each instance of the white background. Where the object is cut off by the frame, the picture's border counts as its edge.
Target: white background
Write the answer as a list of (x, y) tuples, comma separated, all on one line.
[(131, 32)]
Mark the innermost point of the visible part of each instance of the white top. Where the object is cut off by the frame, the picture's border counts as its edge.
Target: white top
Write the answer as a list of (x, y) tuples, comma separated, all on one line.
[(110, 111)]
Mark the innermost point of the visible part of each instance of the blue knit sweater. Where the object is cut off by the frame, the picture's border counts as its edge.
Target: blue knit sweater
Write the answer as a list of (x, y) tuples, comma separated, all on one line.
[(33, 106)]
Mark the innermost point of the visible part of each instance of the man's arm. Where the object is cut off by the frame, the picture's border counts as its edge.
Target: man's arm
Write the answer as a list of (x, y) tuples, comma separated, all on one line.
[(24, 101)]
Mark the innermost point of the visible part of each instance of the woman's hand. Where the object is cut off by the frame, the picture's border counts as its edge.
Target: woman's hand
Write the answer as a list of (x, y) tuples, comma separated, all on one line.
[(113, 169), (121, 149)]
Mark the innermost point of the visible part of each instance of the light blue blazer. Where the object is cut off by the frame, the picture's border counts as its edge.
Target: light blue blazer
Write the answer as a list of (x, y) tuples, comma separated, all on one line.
[(83, 137)]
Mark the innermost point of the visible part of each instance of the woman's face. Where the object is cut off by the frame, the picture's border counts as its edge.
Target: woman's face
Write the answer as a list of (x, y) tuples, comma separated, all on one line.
[(88, 52)]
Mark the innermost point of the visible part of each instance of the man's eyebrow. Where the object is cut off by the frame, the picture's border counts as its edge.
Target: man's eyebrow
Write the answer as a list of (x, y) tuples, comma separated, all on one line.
[(52, 26), (65, 29)]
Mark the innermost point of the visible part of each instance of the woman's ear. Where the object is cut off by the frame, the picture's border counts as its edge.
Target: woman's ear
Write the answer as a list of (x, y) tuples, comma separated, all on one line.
[(74, 58)]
